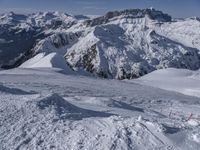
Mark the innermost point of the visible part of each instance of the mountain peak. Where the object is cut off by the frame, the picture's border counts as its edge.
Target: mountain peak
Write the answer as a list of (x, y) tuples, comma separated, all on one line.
[(11, 17), (194, 18), (132, 13)]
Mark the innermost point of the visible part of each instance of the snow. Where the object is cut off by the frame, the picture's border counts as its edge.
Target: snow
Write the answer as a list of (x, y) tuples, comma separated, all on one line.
[(193, 122), (52, 60), (128, 46), (44, 108), (2, 41), (123, 44), (180, 80), (54, 99), (183, 31)]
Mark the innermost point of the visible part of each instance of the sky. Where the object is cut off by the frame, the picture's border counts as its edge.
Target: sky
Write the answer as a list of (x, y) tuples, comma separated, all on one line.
[(176, 8)]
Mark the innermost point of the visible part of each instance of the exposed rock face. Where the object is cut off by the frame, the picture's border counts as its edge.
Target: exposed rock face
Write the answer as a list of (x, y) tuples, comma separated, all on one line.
[(17, 45), (131, 13), (130, 46), (21, 35), (121, 44)]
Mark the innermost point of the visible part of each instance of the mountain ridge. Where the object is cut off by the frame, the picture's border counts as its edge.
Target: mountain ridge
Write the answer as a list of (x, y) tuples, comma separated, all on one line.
[(120, 44)]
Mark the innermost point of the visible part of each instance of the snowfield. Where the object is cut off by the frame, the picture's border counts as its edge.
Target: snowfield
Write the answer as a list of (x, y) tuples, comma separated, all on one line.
[(47, 109), (180, 80)]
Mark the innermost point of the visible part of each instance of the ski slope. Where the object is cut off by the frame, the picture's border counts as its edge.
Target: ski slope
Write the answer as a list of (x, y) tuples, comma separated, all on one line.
[(43, 108)]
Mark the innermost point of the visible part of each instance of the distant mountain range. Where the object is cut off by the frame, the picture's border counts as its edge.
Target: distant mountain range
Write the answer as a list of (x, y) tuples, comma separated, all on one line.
[(121, 44)]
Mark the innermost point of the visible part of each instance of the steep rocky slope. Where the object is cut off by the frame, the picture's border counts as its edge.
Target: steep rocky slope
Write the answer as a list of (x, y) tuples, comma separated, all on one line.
[(129, 44), (20, 34), (120, 44)]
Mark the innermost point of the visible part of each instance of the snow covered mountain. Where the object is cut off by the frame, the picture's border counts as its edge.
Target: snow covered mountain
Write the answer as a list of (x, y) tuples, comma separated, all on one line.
[(50, 98), (20, 34), (129, 44), (120, 44)]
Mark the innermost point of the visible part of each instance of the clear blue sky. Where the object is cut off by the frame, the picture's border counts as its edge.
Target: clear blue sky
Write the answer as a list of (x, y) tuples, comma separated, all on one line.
[(176, 8)]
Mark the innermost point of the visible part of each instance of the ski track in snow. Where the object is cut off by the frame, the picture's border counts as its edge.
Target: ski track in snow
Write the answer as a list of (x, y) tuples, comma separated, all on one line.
[(45, 109)]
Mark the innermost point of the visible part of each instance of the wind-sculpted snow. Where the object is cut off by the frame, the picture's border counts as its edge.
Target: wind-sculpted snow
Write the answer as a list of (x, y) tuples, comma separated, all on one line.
[(79, 112), (65, 110)]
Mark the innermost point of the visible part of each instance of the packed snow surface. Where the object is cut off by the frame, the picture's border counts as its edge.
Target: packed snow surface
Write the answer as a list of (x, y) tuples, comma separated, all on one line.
[(179, 80), (47, 109)]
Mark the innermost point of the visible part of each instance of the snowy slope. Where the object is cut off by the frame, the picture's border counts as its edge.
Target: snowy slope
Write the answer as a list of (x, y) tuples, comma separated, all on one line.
[(120, 44), (185, 31), (131, 43), (179, 80), (21, 36), (43, 109), (51, 60), (54, 101)]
